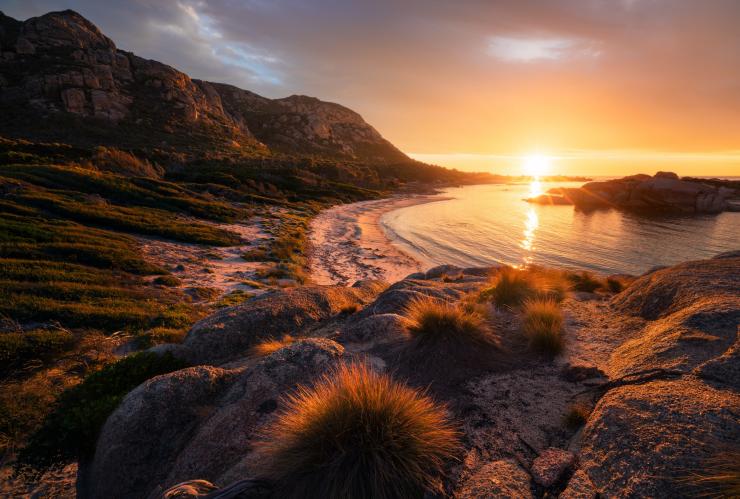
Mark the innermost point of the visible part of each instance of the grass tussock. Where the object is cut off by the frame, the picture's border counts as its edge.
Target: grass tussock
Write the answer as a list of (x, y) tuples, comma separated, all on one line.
[(433, 323), (719, 476), (270, 346), (511, 287), (358, 434), (614, 285), (586, 281), (542, 324)]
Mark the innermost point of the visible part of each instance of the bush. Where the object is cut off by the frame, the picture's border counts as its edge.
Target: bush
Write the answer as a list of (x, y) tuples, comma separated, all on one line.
[(160, 335), (542, 323), (358, 434), (71, 430), (432, 323), (267, 347), (124, 163)]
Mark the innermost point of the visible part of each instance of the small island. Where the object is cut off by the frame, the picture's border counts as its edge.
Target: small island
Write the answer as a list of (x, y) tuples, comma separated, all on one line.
[(664, 192)]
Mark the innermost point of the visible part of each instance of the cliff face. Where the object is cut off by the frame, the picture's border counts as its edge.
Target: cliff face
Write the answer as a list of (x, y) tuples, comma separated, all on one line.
[(62, 79)]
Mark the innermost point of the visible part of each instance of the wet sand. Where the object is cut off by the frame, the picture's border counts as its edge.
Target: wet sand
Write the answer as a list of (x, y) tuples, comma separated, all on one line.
[(348, 243)]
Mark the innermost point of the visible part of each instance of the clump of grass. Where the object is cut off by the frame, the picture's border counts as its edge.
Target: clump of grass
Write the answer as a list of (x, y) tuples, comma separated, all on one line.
[(451, 278), (253, 284), (358, 434), (585, 281), (432, 323), (719, 476), (511, 287), (350, 309), (124, 163), (256, 255), (576, 416), (614, 285), (234, 298), (167, 280), (160, 335), (542, 324), (269, 346)]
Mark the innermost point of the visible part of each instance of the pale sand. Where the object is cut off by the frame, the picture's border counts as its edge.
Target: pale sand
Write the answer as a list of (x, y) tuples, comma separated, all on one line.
[(348, 243)]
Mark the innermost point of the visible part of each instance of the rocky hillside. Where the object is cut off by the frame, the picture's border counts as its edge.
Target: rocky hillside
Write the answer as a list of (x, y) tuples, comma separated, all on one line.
[(61, 79), (640, 402)]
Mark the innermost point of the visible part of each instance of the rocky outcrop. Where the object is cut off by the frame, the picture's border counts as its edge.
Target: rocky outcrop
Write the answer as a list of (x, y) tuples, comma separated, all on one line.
[(664, 397), (662, 193), (59, 66)]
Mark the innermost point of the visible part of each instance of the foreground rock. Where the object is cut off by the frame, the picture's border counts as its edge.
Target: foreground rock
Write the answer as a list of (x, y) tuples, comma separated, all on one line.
[(669, 400), (662, 193)]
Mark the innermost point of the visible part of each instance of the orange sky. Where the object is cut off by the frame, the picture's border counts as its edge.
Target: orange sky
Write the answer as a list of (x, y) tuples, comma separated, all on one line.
[(606, 87)]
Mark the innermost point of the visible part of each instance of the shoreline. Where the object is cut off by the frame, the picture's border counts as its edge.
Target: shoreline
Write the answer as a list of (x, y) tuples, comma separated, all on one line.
[(348, 242)]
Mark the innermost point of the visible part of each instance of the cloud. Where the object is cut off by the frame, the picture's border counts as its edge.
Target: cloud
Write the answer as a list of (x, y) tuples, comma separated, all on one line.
[(539, 49)]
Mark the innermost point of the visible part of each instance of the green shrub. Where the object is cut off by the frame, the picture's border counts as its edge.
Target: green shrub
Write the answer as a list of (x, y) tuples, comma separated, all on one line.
[(70, 431), (358, 434)]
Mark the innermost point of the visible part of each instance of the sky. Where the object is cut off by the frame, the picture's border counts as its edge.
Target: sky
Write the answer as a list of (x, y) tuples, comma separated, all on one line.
[(600, 87)]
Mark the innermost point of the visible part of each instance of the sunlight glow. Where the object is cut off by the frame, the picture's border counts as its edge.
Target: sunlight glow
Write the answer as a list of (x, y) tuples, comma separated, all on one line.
[(531, 223), (536, 165)]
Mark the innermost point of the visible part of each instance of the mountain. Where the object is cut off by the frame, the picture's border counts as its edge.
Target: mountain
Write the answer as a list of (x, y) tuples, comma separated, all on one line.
[(62, 79)]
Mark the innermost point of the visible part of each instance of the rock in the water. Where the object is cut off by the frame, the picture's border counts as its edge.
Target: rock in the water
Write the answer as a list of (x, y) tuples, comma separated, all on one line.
[(499, 479), (663, 193), (551, 465)]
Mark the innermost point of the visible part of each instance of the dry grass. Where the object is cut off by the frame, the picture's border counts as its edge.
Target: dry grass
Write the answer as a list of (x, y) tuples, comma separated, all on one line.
[(511, 287), (542, 323), (358, 434), (719, 476), (586, 282), (267, 347), (435, 323)]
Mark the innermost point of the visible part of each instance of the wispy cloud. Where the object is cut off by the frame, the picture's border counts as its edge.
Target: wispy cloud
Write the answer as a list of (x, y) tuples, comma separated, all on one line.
[(516, 49)]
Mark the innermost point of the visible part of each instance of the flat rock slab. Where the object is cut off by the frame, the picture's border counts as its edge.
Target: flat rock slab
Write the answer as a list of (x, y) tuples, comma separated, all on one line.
[(550, 465)]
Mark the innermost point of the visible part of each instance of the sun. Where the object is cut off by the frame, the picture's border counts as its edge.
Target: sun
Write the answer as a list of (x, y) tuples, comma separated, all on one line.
[(536, 165)]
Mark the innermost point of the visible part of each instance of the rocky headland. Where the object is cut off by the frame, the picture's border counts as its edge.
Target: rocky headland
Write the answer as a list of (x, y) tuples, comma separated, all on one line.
[(664, 192), (643, 396)]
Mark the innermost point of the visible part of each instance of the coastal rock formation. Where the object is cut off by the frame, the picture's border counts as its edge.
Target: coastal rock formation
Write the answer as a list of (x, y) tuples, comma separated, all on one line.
[(668, 402), (662, 193), (62, 79)]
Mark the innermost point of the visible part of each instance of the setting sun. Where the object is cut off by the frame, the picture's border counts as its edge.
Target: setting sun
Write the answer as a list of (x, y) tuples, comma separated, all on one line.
[(536, 165)]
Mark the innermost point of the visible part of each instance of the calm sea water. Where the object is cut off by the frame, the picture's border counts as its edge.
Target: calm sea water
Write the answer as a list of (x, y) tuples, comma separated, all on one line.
[(485, 224)]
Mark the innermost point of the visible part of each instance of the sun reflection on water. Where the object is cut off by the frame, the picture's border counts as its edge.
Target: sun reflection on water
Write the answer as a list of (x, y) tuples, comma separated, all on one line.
[(531, 223)]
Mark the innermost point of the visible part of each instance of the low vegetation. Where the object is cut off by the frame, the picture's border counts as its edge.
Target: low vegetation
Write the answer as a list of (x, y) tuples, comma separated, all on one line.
[(71, 429), (511, 287), (270, 346), (358, 434), (542, 324), (435, 324), (718, 476), (586, 281)]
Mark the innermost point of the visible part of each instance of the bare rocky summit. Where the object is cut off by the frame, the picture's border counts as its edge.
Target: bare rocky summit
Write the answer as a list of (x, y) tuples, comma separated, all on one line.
[(62, 79), (657, 364)]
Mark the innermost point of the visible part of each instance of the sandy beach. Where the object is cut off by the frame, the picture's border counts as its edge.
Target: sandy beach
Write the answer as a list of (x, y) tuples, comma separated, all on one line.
[(348, 243)]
